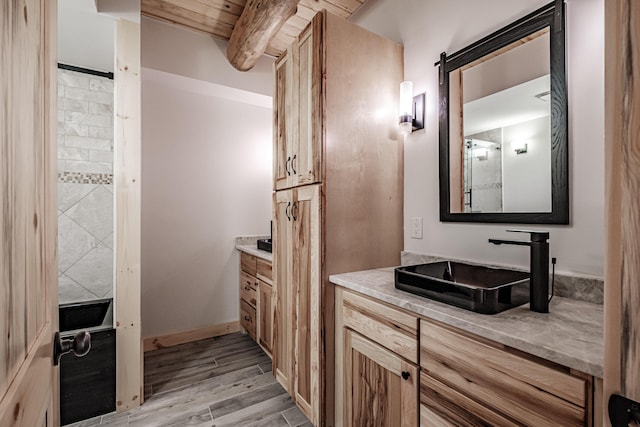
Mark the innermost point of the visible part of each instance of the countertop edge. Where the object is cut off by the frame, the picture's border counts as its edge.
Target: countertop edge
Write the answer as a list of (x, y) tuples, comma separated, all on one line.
[(253, 250), (447, 314)]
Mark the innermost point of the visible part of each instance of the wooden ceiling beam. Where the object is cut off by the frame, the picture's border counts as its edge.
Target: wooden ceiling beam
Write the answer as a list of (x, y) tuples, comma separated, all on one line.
[(258, 25)]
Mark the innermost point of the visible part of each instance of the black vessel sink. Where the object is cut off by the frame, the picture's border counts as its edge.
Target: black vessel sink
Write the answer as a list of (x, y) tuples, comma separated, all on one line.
[(265, 244), (472, 287)]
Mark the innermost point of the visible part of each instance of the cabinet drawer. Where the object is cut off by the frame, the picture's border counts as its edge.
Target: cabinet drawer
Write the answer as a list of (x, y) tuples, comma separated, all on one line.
[(264, 271), (441, 405), (248, 318), (248, 288), (248, 263), (524, 390), (392, 328)]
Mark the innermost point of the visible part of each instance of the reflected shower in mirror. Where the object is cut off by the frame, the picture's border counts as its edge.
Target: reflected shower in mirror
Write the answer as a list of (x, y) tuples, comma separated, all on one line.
[(506, 128)]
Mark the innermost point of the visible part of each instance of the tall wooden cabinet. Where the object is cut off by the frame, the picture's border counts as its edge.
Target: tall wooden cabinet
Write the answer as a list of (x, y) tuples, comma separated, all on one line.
[(338, 176)]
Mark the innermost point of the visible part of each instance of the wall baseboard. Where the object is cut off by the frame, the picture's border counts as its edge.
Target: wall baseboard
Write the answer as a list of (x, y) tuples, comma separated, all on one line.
[(163, 341)]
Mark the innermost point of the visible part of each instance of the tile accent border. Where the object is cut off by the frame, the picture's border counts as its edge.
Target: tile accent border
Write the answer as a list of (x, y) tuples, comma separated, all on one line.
[(587, 289), (85, 178)]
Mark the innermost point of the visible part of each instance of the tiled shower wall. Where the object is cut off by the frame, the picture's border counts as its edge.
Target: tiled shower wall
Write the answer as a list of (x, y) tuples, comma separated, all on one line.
[(85, 190)]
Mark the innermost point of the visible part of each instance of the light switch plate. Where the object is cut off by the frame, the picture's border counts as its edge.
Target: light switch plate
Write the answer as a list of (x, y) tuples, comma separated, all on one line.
[(416, 227)]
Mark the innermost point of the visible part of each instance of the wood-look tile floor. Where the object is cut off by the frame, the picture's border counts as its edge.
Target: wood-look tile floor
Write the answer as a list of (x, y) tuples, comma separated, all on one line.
[(223, 381)]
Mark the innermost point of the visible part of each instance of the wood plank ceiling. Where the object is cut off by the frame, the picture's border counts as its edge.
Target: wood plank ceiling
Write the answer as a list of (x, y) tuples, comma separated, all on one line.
[(218, 17)]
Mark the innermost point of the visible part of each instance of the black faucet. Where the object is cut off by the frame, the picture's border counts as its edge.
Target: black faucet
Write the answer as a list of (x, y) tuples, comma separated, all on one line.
[(538, 267)]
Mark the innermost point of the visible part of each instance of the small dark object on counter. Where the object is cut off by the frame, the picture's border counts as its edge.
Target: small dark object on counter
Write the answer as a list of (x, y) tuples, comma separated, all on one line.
[(265, 244)]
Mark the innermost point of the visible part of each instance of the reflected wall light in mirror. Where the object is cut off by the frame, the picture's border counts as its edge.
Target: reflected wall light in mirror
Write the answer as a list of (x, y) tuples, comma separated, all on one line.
[(520, 147), (411, 109), (503, 102)]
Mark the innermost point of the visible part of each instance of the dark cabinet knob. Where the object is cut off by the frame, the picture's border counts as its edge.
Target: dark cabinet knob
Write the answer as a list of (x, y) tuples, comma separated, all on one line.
[(80, 345), (405, 375), (247, 318)]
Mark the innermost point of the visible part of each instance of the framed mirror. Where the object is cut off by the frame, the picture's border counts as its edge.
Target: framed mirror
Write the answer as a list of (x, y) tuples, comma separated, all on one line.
[(503, 142)]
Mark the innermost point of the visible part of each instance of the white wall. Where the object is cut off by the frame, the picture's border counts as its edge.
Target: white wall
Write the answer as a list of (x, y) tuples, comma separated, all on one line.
[(85, 38), (206, 178), (180, 51), (207, 161), (429, 28)]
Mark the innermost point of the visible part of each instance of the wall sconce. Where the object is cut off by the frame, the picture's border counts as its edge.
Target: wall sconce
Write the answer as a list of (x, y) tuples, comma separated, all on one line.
[(411, 109), (519, 147)]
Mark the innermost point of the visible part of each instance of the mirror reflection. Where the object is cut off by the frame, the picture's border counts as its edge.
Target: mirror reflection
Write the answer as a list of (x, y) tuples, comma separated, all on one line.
[(503, 137)]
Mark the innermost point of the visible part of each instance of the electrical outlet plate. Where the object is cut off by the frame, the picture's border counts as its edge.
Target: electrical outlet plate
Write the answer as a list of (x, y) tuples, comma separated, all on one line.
[(416, 227)]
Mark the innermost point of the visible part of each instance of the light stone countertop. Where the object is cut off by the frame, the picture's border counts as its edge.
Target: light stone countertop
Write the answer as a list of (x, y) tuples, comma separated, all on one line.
[(570, 335), (253, 250)]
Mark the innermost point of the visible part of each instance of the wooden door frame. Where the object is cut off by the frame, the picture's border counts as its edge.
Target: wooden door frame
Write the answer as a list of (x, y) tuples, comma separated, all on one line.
[(622, 184)]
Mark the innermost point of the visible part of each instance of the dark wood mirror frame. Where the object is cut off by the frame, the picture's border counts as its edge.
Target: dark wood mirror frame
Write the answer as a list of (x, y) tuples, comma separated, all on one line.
[(552, 16)]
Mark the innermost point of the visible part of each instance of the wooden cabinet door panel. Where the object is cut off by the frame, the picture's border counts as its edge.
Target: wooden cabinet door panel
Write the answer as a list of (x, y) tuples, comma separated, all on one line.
[(28, 221), (381, 389), (307, 157), (306, 274), (285, 116), (284, 317), (265, 315)]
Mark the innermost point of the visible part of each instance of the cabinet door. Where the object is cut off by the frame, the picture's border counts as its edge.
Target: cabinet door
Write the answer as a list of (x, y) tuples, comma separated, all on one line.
[(381, 388), (306, 273), (285, 115), (306, 159), (265, 314), (283, 349)]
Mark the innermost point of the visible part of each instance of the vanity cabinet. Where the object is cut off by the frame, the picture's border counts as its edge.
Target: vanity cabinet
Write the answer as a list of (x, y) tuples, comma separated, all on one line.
[(467, 381), (457, 379), (337, 206), (256, 306), (376, 356)]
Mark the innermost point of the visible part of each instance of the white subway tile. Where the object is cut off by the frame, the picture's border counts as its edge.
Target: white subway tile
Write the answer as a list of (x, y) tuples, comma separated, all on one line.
[(101, 156), (62, 165), (101, 109), (101, 84), (82, 166), (99, 132), (72, 79), (88, 143), (75, 130), (87, 95), (73, 105), (60, 91), (88, 119), (70, 153)]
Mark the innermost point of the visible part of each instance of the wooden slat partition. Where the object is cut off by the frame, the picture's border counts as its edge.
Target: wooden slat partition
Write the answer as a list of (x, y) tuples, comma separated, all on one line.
[(127, 168), (622, 187)]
